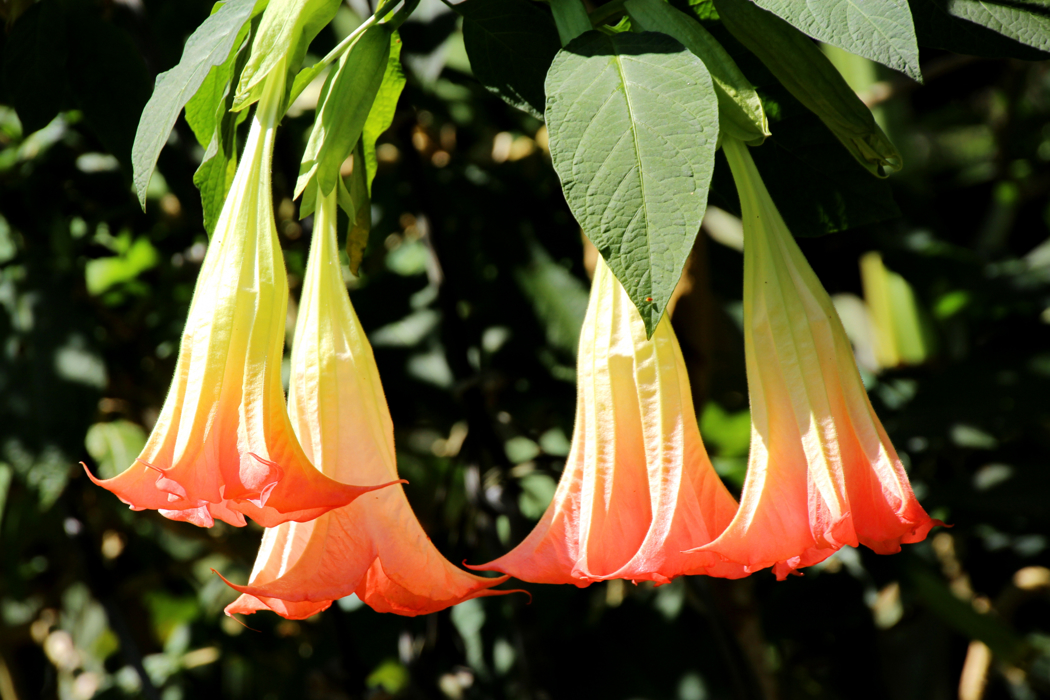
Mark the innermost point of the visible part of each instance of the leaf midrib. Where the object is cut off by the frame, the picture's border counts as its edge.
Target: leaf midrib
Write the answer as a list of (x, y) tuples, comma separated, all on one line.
[(638, 161)]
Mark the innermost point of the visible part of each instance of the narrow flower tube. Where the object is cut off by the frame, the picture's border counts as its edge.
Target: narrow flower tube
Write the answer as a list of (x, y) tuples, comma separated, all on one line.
[(374, 547), (821, 473), (223, 446), (638, 487)]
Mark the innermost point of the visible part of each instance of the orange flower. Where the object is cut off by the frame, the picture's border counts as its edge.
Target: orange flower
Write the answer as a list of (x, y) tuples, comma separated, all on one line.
[(638, 487), (375, 546), (222, 446), (822, 473)]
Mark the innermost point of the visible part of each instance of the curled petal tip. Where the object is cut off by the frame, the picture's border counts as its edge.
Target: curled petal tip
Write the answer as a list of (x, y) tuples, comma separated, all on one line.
[(96, 481)]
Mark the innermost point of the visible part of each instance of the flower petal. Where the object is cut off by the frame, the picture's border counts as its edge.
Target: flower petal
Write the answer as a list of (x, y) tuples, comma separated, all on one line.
[(375, 546), (638, 487), (822, 473)]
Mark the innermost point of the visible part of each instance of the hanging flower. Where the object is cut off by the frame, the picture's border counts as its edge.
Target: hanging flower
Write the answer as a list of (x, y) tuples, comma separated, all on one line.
[(638, 487), (374, 547), (223, 446), (821, 473)]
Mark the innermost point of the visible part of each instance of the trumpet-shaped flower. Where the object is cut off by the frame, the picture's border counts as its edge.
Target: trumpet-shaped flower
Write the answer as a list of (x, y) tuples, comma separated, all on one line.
[(223, 446), (374, 547), (821, 473), (638, 487)]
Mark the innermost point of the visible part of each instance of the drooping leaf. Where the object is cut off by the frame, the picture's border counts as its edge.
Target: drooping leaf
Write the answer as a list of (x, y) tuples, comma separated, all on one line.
[(285, 32), (571, 19), (510, 44), (633, 124), (880, 30), (346, 101), (34, 56), (817, 185), (994, 30), (805, 71), (381, 116), (357, 202), (215, 125), (1024, 21), (205, 109), (207, 47)]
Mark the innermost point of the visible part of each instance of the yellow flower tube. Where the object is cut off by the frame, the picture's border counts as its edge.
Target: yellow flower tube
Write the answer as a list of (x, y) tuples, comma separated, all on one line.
[(374, 547), (223, 446), (822, 472)]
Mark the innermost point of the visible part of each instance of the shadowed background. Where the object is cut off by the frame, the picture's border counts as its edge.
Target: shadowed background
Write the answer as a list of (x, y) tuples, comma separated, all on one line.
[(473, 290)]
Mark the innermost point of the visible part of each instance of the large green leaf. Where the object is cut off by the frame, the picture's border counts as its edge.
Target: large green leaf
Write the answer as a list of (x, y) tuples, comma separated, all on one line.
[(510, 43), (633, 124), (881, 30), (207, 47), (346, 101), (1026, 22), (993, 29)]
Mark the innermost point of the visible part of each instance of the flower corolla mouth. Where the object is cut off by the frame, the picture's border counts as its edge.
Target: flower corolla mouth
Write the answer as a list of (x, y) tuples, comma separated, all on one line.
[(374, 547), (822, 473), (223, 447), (638, 488)]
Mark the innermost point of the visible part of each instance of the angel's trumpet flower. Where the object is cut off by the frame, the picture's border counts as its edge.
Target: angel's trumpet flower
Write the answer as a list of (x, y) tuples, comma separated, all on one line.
[(638, 487), (374, 547), (821, 473), (223, 446)]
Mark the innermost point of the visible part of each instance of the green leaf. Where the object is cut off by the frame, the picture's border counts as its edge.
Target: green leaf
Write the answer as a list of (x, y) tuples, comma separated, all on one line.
[(35, 56), (633, 124), (804, 70), (995, 30), (208, 46), (511, 44), (703, 9), (381, 116), (215, 127), (817, 184), (214, 177), (1026, 22), (357, 202), (204, 111), (570, 16), (880, 30), (739, 108), (346, 101), (284, 34)]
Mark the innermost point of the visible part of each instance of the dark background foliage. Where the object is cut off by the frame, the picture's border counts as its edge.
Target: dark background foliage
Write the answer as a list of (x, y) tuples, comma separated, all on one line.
[(472, 289)]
